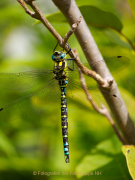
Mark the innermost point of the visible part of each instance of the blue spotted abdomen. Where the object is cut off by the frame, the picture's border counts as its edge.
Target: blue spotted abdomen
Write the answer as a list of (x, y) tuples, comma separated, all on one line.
[(64, 121)]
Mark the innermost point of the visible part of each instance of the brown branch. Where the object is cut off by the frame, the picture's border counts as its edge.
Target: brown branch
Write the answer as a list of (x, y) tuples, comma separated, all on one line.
[(91, 73), (92, 54), (103, 110), (73, 28), (107, 114), (37, 14), (21, 2)]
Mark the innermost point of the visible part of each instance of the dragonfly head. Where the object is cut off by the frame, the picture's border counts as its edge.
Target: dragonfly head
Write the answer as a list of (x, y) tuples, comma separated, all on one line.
[(58, 56)]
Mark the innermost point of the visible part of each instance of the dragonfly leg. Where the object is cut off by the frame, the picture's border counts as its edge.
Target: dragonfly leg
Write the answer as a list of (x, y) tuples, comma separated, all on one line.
[(69, 50), (70, 58), (55, 46)]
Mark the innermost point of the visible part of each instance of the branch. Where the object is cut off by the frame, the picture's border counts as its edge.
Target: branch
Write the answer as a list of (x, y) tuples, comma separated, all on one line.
[(37, 14), (73, 28), (92, 53), (33, 15), (103, 110)]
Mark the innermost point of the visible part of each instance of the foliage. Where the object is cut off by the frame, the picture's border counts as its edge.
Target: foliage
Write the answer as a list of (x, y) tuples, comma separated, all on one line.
[(129, 152), (35, 144)]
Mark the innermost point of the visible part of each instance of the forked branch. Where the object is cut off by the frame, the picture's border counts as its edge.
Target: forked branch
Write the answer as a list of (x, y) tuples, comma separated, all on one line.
[(73, 28), (92, 53), (71, 12), (103, 110), (37, 14)]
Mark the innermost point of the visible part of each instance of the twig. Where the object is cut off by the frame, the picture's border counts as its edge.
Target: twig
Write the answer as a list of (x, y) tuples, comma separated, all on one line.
[(40, 16), (71, 12), (33, 15), (107, 114), (91, 73), (92, 53), (103, 110), (73, 28), (37, 14)]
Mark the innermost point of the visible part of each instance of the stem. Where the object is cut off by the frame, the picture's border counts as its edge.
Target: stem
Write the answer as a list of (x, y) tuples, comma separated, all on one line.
[(92, 53), (103, 110), (39, 15)]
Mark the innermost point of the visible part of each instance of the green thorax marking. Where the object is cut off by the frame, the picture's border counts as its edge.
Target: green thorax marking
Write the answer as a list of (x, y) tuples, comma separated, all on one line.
[(60, 65)]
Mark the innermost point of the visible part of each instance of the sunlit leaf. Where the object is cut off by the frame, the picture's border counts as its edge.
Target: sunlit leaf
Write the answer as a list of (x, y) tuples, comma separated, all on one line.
[(102, 156), (93, 16), (129, 152), (96, 17)]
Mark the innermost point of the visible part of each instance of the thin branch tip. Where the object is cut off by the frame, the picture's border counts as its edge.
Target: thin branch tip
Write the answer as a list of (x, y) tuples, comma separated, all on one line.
[(73, 28), (92, 52), (110, 81)]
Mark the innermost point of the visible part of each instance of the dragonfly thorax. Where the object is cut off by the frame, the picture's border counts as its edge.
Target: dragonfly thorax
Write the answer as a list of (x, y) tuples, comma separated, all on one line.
[(60, 69), (58, 56)]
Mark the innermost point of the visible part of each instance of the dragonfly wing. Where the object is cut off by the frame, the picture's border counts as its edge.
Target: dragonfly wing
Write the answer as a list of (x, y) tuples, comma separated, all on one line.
[(76, 92), (24, 80), (115, 64), (74, 76), (35, 103), (73, 66)]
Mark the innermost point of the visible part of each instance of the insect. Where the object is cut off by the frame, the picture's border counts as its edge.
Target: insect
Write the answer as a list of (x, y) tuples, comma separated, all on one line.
[(57, 84)]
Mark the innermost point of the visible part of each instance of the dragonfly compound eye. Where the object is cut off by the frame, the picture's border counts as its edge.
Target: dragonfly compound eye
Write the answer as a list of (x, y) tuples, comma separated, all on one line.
[(53, 58), (62, 55)]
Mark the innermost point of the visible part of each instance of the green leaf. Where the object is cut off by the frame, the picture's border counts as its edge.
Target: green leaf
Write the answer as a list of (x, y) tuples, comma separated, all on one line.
[(96, 17), (102, 159), (129, 152), (117, 39), (132, 6), (105, 160), (93, 16)]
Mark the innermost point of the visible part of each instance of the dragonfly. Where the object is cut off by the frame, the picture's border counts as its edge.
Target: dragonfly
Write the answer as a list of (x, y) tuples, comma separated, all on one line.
[(57, 84)]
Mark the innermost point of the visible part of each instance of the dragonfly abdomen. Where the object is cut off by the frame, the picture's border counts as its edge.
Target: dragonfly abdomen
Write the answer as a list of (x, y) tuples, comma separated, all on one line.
[(64, 121)]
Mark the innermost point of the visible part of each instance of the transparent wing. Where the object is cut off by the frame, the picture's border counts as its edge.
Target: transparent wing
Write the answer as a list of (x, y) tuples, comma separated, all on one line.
[(74, 75), (40, 100), (76, 93), (115, 64), (48, 94), (24, 80)]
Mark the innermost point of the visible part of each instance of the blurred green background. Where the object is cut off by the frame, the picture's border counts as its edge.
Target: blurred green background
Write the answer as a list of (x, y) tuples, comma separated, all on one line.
[(35, 144)]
